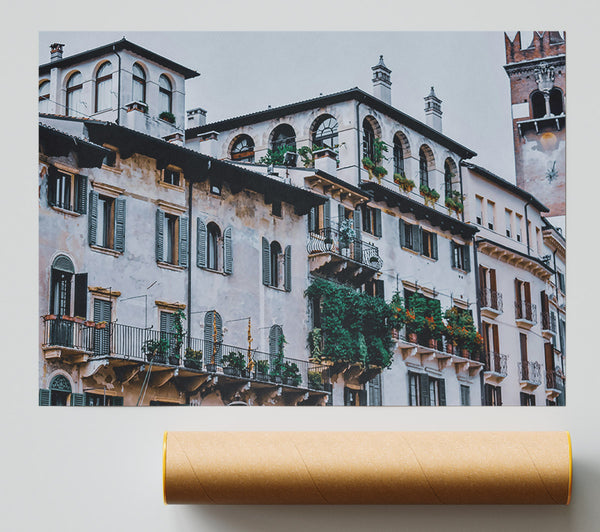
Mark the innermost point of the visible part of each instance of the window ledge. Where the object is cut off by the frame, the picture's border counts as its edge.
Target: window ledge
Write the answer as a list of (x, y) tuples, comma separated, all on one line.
[(106, 251), (279, 289), (112, 169), (459, 270), (414, 252), (169, 266), (219, 272), (429, 258), (178, 188), (65, 211)]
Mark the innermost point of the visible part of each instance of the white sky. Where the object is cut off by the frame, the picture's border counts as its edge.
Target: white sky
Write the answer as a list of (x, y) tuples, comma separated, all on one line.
[(242, 72)]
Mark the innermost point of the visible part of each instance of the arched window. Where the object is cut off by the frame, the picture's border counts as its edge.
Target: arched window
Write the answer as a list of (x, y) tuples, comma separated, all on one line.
[(213, 337), (60, 390), (275, 339), (448, 176), (538, 104), (283, 135), (61, 275), (398, 156), (138, 89), (556, 102), (103, 86), (243, 149), (423, 169), (74, 92), (44, 92), (276, 258), (325, 132), (212, 246), (368, 139), (166, 94)]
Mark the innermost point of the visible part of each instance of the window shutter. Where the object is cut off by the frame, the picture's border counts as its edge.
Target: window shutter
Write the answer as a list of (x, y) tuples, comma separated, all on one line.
[(442, 391), (81, 187), (93, 218), (493, 280), (266, 262), (496, 339), (160, 223), (52, 185), (117, 401), (424, 389), (346, 396), (488, 395), (434, 246), (81, 289), (377, 228), (311, 220), (164, 322), (120, 224), (357, 223), (341, 214), (518, 298), (44, 397), (401, 231), (287, 269), (362, 397), (77, 399), (274, 338), (417, 239), (184, 240), (379, 290), (523, 341), (452, 254), (327, 215), (201, 244), (467, 257), (228, 251)]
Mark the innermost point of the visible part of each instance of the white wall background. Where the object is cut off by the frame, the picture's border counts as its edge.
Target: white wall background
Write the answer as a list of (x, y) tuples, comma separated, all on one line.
[(99, 469)]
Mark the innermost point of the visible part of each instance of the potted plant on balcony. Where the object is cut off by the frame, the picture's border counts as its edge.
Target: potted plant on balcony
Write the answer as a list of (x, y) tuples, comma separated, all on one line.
[(373, 165), (193, 358), (430, 195), (347, 235), (461, 332), (262, 370), (455, 202), (155, 350), (277, 363), (315, 380), (167, 117), (404, 184), (291, 374), (415, 316), (399, 317), (235, 363)]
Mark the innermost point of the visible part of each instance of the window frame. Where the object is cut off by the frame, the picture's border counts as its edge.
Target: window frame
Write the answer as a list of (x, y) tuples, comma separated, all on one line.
[(102, 83), (237, 154), (71, 90), (429, 238), (140, 81), (165, 93), (45, 97), (320, 140)]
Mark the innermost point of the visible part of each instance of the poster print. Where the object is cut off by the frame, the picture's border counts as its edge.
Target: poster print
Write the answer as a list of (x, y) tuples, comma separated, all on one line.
[(400, 242)]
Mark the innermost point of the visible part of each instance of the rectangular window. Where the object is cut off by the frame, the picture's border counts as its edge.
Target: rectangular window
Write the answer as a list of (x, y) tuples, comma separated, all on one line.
[(561, 334), (375, 391), (461, 258), (414, 389), (523, 345), (538, 238), (429, 244), (518, 227), (508, 218), (527, 399), (479, 210), (172, 242), (371, 220), (493, 395), (106, 222), (490, 214), (410, 236), (374, 288), (354, 397), (465, 395), (561, 281), (524, 310), (170, 235), (67, 191), (172, 177)]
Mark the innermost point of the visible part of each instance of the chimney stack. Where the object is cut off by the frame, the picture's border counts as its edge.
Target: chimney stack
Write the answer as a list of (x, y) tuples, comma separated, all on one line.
[(56, 52), (382, 84), (196, 117), (433, 111)]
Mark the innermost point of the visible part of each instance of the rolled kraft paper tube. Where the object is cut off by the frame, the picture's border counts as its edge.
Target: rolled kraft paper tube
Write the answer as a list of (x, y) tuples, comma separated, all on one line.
[(367, 467)]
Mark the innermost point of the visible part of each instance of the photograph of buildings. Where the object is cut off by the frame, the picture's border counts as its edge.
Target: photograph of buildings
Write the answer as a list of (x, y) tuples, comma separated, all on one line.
[(339, 248)]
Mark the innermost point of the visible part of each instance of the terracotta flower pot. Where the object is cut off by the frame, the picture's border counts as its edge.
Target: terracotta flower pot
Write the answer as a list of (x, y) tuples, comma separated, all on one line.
[(449, 348), (412, 338)]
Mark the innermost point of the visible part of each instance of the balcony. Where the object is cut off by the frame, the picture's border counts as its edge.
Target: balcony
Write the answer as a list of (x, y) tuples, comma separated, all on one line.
[(496, 367), (525, 314), (554, 384), (530, 375), (201, 365), (548, 325), (491, 302), (348, 260)]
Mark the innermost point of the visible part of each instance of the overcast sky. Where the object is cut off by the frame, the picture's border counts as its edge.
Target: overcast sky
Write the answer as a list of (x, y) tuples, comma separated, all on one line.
[(246, 72)]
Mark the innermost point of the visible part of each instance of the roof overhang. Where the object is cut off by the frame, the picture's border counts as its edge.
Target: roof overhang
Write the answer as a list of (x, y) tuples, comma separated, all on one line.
[(536, 266), (59, 144), (329, 185)]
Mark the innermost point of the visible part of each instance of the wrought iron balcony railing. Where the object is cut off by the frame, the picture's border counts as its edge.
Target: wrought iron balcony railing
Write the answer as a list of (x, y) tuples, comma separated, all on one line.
[(530, 372), (148, 345), (330, 240), (525, 311), (489, 298), (496, 363), (549, 322), (553, 380)]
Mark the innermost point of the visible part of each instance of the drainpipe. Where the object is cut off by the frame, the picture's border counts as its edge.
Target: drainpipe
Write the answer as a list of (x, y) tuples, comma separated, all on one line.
[(358, 143), (527, 228), (478, 303), (119, 86), (189, 273), (461, 188)]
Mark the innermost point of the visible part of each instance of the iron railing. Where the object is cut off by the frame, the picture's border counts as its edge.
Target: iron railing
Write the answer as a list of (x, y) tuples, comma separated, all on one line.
[(496, 363), (68, 333), (489, 298), (553, 380), (525, 311), (531, 372), (330, 240), (549, 322)]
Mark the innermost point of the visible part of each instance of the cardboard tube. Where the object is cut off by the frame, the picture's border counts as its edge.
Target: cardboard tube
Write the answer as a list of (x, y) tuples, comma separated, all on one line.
[(367, 467)]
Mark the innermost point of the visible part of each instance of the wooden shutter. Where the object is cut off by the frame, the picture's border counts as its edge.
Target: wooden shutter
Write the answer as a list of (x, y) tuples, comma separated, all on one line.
[(523, 340), (482, 282), (467, 257), (527, 287), (496, 339), (452, 253), (200, 244), (311, 219), (93, 218), (44, 397), (362, 397), (357, 223), (493, 285), (227, 251), (401, 232), (266, 262), (275, 334), (341, 214), (52, 173), (326, 215), (377, 228), (424, 399), (160, 227), (81, 290), (184, 240), (77, 399), (544, 299), (549, 355), (81, 187), (287, 268), (442, 391), (379, 288), (434, 246), (120, 224), (417, 239)]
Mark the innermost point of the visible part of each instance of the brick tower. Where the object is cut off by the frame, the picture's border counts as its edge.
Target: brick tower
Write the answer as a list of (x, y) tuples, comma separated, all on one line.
[(537, 87)]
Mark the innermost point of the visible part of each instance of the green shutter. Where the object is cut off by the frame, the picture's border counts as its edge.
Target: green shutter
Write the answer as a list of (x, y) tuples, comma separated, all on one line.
[(52, 185), (434, 246), (275, 334), (93, 218), (442, 391), (424, 389), (44, 398), (401, 232), (357, 224), (228, 251), (467, 257), (183, 241), (266, 262), (287, 268), (417, 239), (160, 227), (341, 214), (452, 259), (377, 228), (77, 399), (117, 401), (120, 208), (81, 187), (201, 244), (327, 215), (81, 290), (311, 220)]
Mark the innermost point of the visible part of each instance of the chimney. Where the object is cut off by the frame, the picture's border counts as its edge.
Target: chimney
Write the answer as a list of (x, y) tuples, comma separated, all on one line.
[(382, 84), (326, 161), (56, 52), (196, 117), (433, 111)]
